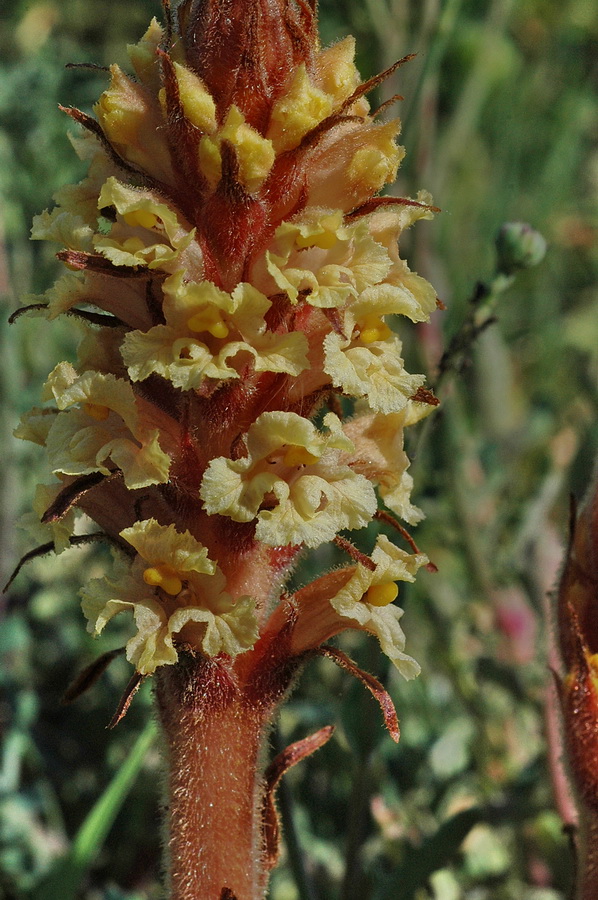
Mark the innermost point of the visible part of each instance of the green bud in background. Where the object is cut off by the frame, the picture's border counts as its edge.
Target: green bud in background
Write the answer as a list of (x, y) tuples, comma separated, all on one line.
[(518, 246)]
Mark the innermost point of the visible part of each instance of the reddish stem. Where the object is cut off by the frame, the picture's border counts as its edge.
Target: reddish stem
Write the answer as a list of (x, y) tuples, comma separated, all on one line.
[(214, 736), (588, 857)]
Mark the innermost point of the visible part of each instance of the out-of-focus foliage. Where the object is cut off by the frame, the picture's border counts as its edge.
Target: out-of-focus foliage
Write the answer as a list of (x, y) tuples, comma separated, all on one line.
[(500, 123)]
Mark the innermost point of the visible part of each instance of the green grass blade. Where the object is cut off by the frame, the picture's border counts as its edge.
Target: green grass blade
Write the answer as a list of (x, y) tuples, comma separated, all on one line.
[(63, 882)]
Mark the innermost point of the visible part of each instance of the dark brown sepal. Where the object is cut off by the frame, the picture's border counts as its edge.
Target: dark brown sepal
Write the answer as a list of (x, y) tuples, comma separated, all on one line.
[(71, 494), (79, 260), (25, 309), (281, 763), (131, 689), (102, 319), (95, 128), (89, 675), (169, 29), (378, 202), (355, 554), (374, 81), (75, 541), (94, 67), (386, 105), (382, 696), (383, 516)]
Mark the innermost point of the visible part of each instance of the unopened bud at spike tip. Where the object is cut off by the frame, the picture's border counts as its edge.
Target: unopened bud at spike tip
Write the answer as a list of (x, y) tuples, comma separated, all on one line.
[(243, 50)]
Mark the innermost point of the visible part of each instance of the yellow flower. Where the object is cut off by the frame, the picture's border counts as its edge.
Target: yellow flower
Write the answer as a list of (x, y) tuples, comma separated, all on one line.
[(352, 163), (175, 592), (367, 599), (298, 111), (144, 57), (291, 482), (206, 328), (147, 232), (415, 296), (331, 261), (73, 221), (63, 227), (380, 457), (104, 432), (366, 360), (335, 71)]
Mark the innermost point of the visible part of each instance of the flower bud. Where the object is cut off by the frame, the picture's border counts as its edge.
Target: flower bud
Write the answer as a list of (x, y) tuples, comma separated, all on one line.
[(244, 49), (519, 246)]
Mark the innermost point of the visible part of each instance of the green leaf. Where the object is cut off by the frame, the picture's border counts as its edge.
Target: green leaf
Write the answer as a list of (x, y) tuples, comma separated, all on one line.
[(434, 854)]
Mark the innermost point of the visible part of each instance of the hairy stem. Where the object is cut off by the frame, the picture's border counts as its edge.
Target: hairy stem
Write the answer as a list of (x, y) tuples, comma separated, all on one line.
[(214, 737), (587, 888)]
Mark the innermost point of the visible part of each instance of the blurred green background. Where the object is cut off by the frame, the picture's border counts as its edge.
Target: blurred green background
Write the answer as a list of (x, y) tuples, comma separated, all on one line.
[(500, 124)]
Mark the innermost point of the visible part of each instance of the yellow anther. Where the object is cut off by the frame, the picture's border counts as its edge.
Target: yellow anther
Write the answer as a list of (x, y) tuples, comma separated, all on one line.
[(141, 218), (299, 456), (133, 244), (210, 320), (97, 411), (165, 577), (381, 594), (373, 328)]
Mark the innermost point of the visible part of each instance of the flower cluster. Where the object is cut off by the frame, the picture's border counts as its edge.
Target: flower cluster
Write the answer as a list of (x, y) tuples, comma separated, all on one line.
[(239, 392)]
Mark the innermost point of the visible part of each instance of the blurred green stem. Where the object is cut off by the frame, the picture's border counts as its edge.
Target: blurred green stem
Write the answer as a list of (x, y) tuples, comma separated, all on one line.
[(472, 96), (433, 43), (352, 888), (479, 316)]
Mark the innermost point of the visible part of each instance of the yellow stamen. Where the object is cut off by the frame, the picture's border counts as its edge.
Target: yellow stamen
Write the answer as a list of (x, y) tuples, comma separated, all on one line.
[(97, 411), (165, 577), (372, 328), (381, 594), (299, 456), (141, 218), (210, 320)]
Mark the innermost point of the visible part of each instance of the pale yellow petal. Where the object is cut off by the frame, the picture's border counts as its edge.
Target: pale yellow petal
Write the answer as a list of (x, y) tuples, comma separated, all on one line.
[(375, 372), (163, 543)]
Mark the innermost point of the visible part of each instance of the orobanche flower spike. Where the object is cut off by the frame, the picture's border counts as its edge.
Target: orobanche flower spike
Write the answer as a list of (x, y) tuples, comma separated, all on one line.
[(239, 395)]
